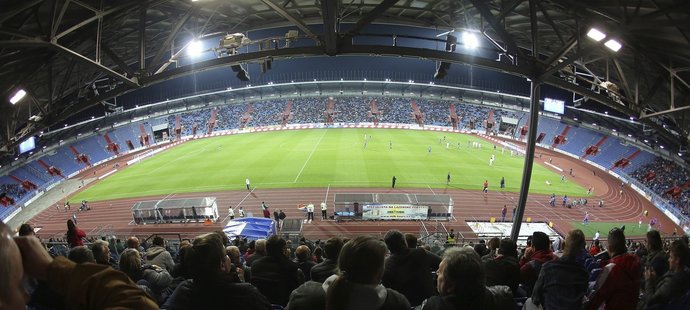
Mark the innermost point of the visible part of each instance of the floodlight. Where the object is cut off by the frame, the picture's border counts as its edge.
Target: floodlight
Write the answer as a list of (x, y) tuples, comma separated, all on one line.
[(613, 45), (470, 40), (596, 35), (17, 96), (194, 48), (661, 146)]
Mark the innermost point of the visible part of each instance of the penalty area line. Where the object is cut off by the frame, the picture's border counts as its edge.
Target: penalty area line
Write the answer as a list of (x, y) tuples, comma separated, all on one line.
[(310, 154)]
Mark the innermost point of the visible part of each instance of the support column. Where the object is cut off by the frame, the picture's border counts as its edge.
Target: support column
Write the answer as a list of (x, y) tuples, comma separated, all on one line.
[(529, 158)]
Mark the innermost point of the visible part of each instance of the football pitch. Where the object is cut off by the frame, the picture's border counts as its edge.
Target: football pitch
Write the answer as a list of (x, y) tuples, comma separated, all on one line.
[(322, 158)]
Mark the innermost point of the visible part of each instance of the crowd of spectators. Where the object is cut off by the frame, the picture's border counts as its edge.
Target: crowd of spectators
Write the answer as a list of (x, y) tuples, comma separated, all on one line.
[(213, 272), (13, 190), (662, 175), (346, 110)]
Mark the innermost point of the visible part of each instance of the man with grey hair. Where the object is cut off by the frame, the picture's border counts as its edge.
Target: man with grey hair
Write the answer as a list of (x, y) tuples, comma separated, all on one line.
[(234, 254), (259, 252), (101, 252), (81, 254), (460, 284), (81, 284)]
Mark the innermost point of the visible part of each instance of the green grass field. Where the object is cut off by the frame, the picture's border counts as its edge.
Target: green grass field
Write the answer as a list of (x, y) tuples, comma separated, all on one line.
[(323, 157), (631, 228)]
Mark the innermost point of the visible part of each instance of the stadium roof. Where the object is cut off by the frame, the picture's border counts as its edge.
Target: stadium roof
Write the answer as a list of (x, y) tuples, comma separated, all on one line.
[(73, 55)]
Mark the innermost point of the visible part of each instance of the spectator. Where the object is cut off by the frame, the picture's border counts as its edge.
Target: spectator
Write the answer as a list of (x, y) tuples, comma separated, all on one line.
[(304, 261), (274, 274), (212, 286), (656, 258), (562, 283), (673, 284), (494, 243), (80, 255), (532, 261), (157, 255), (233, 253), (181, 269), (259, 252), (101, 253), (595, 249), (26, 230), (407, 270), (74, 235), (504, 268), (153, 277), (461, 284), (327, 268), (133, 243), (81, 286), (355, 286), (618, 284)]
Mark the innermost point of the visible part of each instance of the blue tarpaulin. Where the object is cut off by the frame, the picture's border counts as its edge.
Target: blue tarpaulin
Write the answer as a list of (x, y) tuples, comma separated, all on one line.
[(250, 227)]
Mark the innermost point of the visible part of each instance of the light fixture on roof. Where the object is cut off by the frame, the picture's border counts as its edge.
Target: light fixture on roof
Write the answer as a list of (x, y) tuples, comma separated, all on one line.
[(661, 146), (470, 40), (17, 96), (646, 141), (194, 48), (594, 124), (595, 34), (680, 154), (614, 130), (613, 45)]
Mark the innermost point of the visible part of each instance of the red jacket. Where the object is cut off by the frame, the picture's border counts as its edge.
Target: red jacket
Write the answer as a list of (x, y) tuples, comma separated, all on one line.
[(75, 238), (528, 274), (618, 285)]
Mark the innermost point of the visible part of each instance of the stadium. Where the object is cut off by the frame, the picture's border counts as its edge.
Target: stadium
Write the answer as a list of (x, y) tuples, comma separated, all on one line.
[(453, 122)]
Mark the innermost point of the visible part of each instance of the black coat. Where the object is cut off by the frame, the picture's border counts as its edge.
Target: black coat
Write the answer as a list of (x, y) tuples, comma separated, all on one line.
[(409, 273), (276, 277)]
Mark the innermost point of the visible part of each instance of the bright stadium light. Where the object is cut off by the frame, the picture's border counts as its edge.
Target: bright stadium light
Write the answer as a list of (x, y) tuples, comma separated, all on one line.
[(17, 96), (194, 48), (470, 40), (613, 45), (596, 35)]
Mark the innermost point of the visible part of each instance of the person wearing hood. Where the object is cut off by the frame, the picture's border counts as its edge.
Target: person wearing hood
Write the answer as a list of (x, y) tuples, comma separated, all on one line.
[(355, 286), (618, 284), (157, 255)]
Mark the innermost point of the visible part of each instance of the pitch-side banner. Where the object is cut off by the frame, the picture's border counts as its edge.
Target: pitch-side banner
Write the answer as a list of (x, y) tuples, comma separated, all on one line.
[(394, 212)]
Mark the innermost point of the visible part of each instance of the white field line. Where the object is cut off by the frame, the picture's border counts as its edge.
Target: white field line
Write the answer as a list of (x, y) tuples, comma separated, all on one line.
[(310, 154)]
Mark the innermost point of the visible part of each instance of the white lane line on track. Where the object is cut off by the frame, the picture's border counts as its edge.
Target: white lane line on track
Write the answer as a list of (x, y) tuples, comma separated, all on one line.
[(432, 191), (310, 154), (327, 190)]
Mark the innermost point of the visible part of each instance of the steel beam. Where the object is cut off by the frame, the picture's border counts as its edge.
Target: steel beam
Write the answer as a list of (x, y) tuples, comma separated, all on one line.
[(508, 9), (534, 28), (117, 60), (535, 94), (285, 14), (171, 37), (142, 37), (12, 12), (93, 64), (485, 12), (58, 21), (644, 115), (371, 16), (93, 18), (329, 12)]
